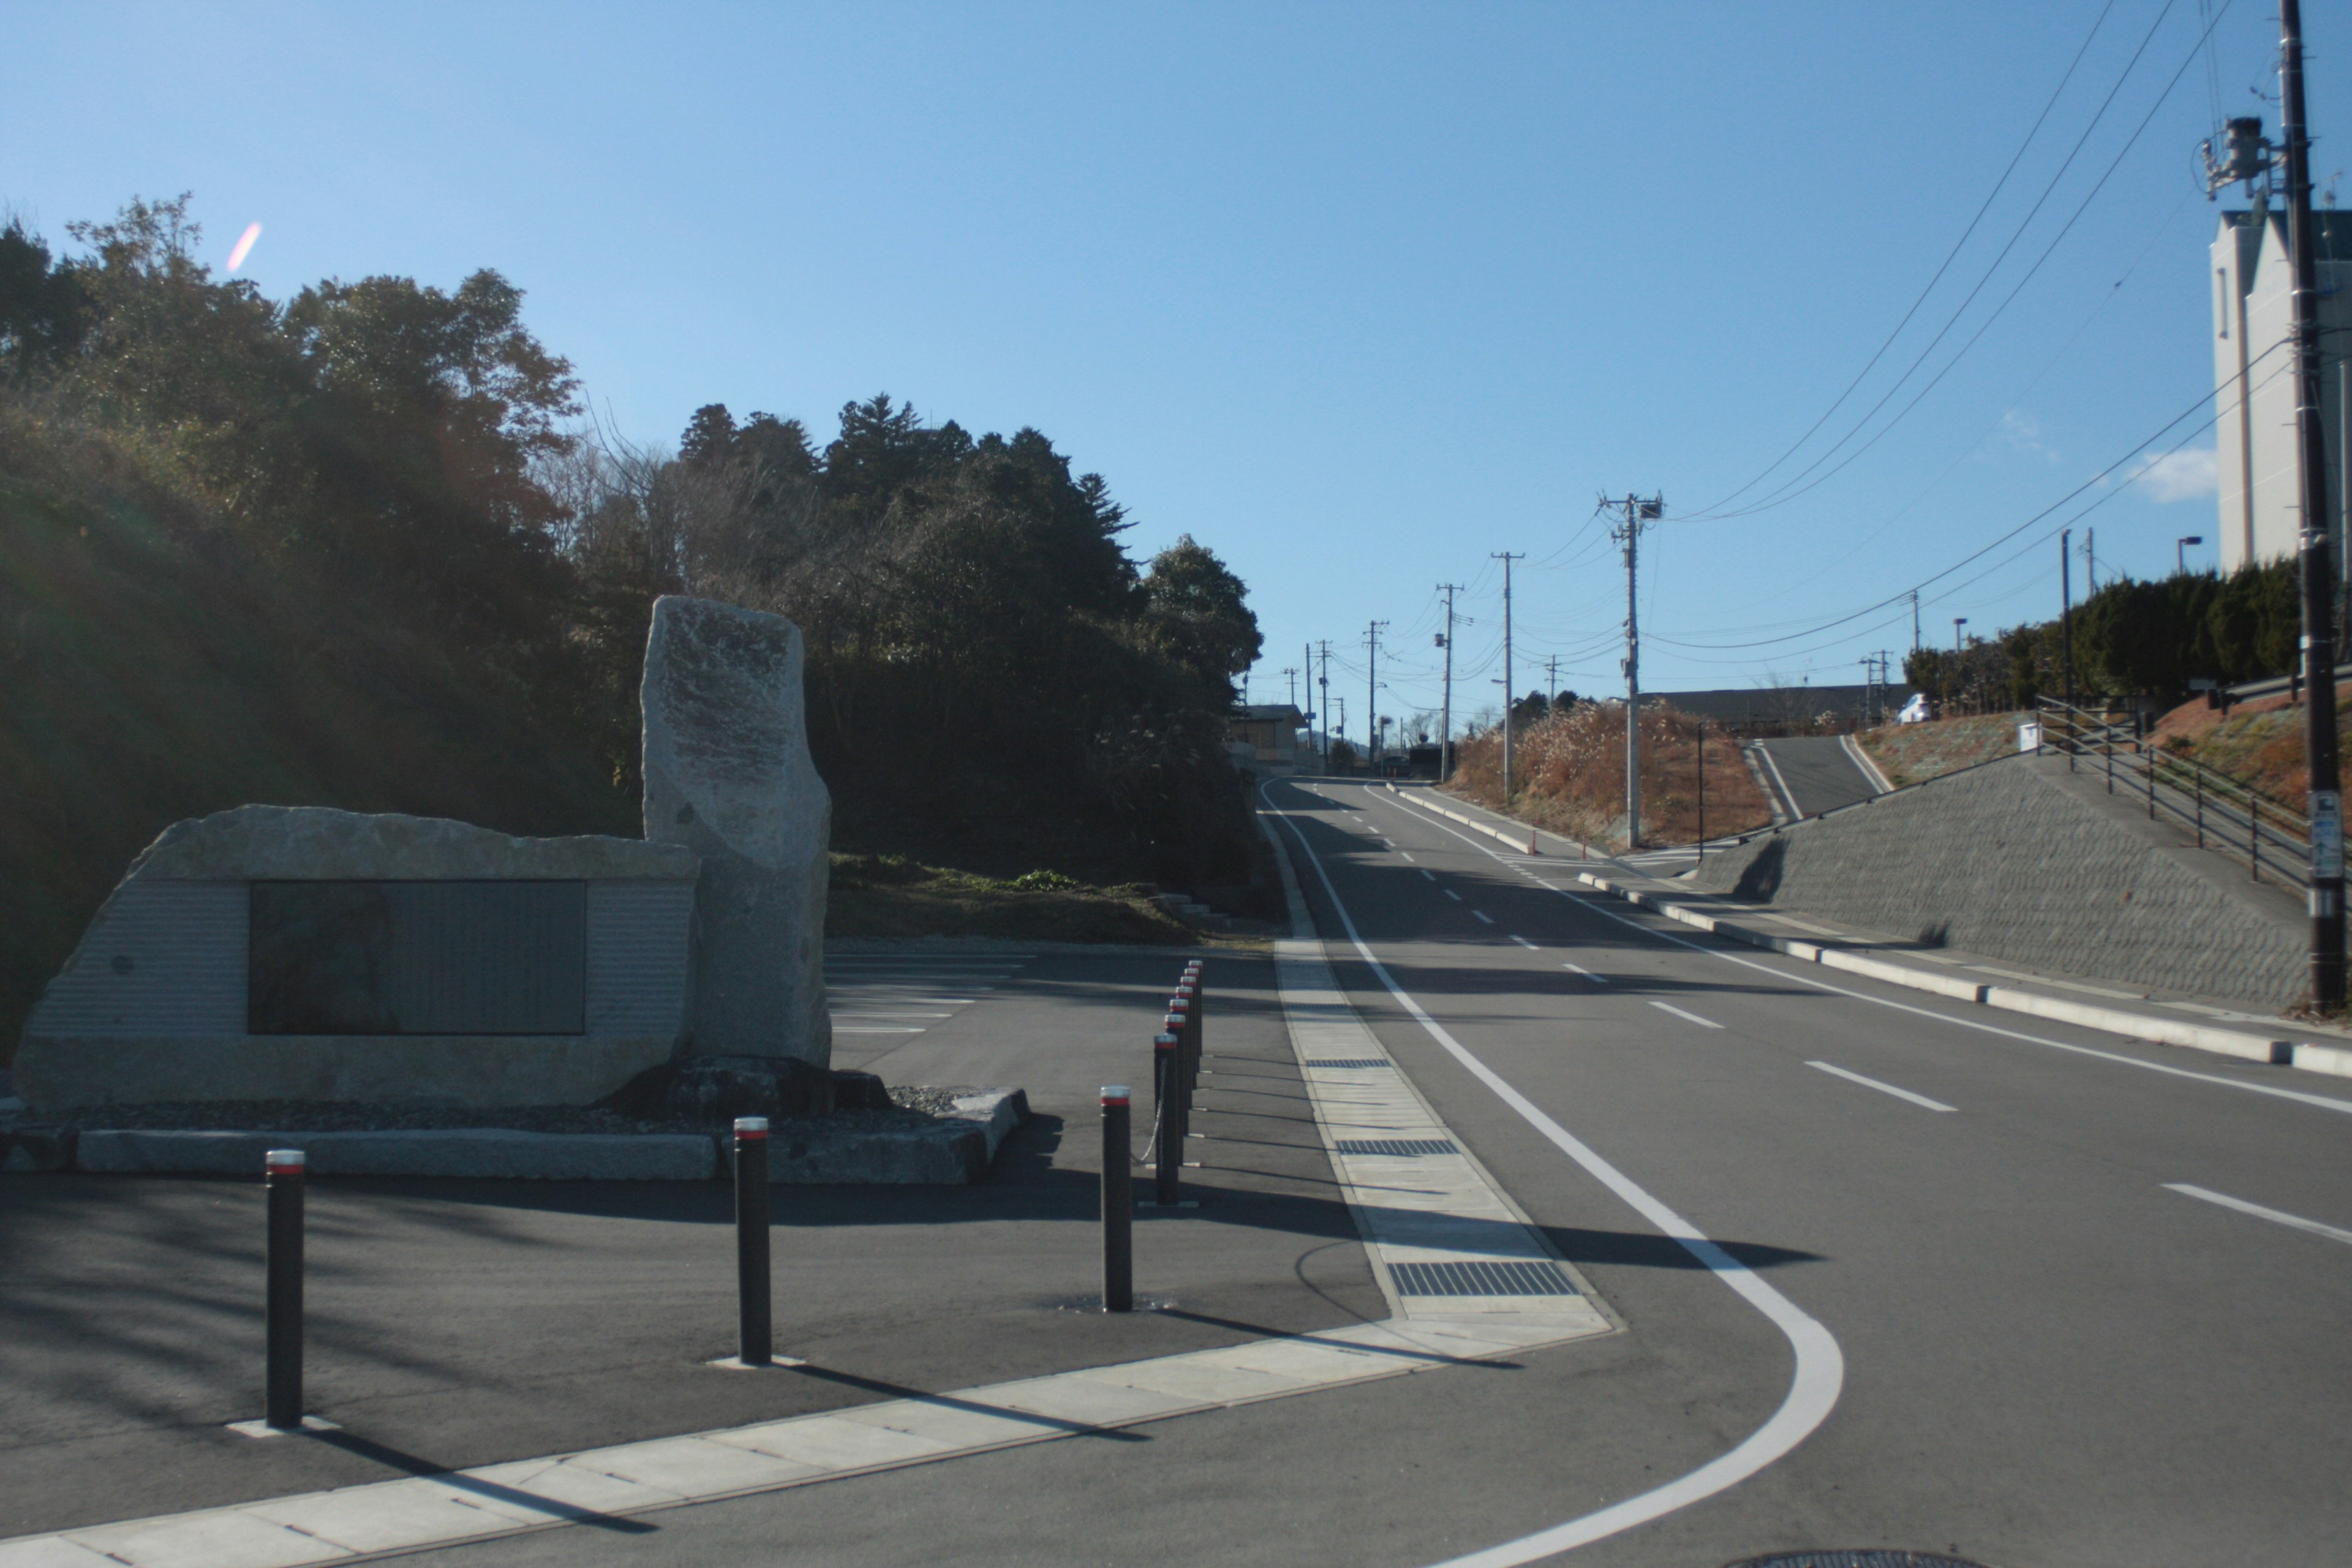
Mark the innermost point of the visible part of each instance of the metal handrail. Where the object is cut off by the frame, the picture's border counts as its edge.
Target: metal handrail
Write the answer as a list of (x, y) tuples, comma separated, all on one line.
[(2266, 833)]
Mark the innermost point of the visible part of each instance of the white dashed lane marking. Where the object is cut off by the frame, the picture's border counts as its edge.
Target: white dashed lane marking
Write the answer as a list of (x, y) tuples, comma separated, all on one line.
[(1523, 941), (1678, 1012), (1596, 979), (2276, 1216), (1483, 916), (1882, 1088)]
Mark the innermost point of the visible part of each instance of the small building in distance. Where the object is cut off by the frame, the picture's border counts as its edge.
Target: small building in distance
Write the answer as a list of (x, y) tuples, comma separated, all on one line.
[(2258, 460), (1270, 731)]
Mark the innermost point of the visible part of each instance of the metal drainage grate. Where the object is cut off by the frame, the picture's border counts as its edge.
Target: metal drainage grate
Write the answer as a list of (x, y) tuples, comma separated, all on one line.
[(1398, 1146), (1480, 1279), (1874, 1557), (1348, 1061)]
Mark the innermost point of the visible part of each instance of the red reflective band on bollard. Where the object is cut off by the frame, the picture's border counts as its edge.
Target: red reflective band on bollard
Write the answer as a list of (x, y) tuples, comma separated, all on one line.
[(1118, 1202), (281, 1404), (755, 1336)]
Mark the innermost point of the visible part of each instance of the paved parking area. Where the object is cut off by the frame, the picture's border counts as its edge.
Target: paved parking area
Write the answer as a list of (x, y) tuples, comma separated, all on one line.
[(458, 1323)]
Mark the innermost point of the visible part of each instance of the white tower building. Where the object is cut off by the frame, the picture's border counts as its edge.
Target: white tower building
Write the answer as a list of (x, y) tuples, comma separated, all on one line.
[(2258, 462)]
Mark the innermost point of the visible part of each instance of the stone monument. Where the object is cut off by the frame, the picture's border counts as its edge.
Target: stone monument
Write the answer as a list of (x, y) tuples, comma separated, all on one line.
[(729, 776), (297, 952), (284, 953)]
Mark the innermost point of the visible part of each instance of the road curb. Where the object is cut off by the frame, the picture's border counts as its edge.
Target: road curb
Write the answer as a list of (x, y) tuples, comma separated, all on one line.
[(1470, 822), (2306, 1055), (955, 1150)]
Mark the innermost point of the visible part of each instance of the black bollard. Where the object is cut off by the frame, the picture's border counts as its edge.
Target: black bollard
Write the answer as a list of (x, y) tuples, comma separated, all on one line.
[(1181, 1098), (1118, 1202), (1168, 1106), (282, 1173), (1199, 1015), (1189, 992), (754, 1335)]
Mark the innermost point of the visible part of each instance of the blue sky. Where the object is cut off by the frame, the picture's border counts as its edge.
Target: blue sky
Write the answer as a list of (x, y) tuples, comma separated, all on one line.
[(1356, 295)]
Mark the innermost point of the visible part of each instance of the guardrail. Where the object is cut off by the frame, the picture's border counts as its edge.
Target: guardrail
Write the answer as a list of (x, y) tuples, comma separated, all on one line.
[(2269, 837)]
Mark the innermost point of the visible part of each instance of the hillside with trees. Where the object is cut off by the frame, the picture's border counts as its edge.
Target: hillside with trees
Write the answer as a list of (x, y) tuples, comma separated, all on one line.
[(2149, 638), (352, 549)]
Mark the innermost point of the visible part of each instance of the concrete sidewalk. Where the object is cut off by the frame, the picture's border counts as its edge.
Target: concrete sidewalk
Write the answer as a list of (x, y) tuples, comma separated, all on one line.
[(465, 1322)]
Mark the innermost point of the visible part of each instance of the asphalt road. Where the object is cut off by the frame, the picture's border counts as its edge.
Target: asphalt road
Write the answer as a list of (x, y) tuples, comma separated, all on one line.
[(1813, 773), (2049, 1356)]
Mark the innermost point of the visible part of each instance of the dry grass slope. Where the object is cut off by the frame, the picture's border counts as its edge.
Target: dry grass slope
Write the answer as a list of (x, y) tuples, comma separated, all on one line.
[(1568, 770)]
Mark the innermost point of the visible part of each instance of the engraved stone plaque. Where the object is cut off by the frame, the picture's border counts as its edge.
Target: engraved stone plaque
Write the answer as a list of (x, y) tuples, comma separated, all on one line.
[(418, 958)]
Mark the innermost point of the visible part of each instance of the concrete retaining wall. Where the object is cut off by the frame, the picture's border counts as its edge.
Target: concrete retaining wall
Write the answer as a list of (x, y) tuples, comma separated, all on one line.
[(2020, 860)]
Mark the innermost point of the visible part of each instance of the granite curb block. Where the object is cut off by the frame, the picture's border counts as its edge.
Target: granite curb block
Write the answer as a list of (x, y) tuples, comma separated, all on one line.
[(2311, 1058), (938, 1155), (454, 1151), (956, 1152)]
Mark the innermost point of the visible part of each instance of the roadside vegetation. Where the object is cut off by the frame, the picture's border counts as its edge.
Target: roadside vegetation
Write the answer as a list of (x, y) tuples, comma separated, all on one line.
[(353, 549), (2258, 743), (1569, 775), (2130, 637), (1913, 753), (894, 896)]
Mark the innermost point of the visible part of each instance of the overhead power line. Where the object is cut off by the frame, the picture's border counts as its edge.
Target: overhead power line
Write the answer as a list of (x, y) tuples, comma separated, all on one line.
[(1950, 257)]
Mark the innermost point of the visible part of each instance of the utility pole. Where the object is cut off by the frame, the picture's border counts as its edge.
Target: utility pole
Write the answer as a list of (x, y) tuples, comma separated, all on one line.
[(1294, 685), (1639, 513), (1506, 557), (1915, 620), (2091, 562), (1372, 691), (1551, 681), (2326, 795), (1445, 641), (1323, 701), (2066, 609), (2251, 159)]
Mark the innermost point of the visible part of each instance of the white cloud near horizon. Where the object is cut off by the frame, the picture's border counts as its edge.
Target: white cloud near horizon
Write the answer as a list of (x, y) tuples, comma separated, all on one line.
[(2189, 474)]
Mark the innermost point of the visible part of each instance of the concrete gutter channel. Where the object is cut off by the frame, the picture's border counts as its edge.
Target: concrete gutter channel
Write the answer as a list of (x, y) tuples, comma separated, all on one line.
[(2309, 1056), (956, 1149)]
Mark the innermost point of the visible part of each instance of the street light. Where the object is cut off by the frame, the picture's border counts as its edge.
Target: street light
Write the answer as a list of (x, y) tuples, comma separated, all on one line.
[(2180, 551), (1957, 622)]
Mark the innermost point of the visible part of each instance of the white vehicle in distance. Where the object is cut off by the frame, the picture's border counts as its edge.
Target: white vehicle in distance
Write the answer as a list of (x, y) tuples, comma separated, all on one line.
[(1916, 711)]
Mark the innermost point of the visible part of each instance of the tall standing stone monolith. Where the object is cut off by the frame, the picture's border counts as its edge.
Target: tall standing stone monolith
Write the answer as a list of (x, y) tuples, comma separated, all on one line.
[(728, 775)]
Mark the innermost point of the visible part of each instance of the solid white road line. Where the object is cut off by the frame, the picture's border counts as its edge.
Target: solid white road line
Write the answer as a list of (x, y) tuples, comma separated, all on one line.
[(1678, 1012), (1523, 941), (1598, 906), (1820, 1370), (1596, 979), (1790, 799), (2275, 1216), (1483, 916), (1884, 1087)]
